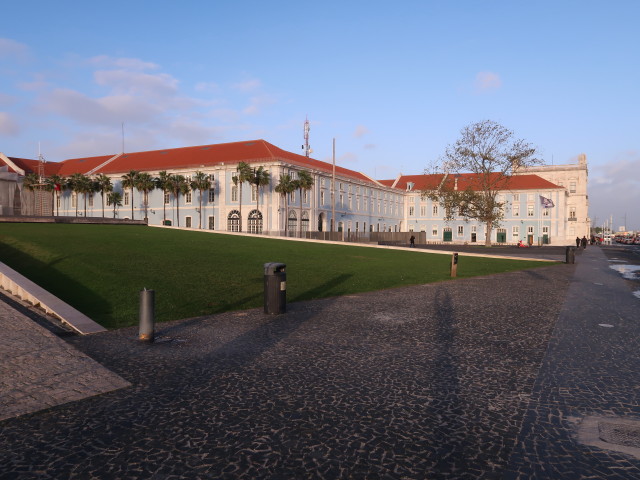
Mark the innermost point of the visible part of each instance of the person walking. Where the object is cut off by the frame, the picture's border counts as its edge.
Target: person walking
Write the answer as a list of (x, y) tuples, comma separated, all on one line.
[(412, 242), (577, 242), (584, 242)]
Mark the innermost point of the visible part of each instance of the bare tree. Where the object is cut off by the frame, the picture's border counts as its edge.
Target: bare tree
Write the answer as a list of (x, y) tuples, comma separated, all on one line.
[(478, 166)]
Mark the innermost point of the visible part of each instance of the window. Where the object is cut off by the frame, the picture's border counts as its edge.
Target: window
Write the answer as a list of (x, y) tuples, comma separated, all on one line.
[(305, 196), (515, 209), (341, 201), (529, 210), (212, 222), (423, 210), (187, 222), (292, 197), (411, 211), (530, 230), (530, 197), (126, 198), (516, 197), (545, 212), (91, 199), (460, 230), (412, 200), (167, 198), (74, 199), (254, 193), (188, 197), (322, 198), (545, 230), (572, 212), (212, 195), (515, 231), (234, 193), (572, 187), (434, 231), (435, 210)]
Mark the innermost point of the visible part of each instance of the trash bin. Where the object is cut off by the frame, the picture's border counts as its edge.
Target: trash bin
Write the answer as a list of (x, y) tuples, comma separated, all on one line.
[(570, 255), (275, 288)]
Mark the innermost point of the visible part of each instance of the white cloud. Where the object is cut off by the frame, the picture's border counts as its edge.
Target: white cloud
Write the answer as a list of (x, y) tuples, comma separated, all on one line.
[(614, 190), (12, 49), (123, 81), (256, 104), (104, 61), (360, 131), (248, 86), (207, 87), (8, 126), (486, 81)]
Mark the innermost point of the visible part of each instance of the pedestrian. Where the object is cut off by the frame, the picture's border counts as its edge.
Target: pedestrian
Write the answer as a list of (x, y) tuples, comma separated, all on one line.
[(577, 242), (584, 242), (412, 242)]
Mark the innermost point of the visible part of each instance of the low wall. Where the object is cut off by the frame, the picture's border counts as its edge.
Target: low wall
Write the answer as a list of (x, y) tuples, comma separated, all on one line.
[(91, 220)]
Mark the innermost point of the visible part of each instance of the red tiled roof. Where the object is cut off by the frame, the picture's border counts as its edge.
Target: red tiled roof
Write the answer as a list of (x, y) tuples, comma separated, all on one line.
[(255, 151), (81, 165), (31, 166), (470, 180)]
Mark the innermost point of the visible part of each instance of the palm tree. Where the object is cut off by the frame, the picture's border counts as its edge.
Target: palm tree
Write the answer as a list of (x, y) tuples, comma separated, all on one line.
[(57, 184), (200, 182), (243, 174), (85, 186), (162, 183), (75, 184), (102, 184), (303, 182), (178, 184), (145, 184), (260, 178), (115, 199), (129, 181), (284, 188)]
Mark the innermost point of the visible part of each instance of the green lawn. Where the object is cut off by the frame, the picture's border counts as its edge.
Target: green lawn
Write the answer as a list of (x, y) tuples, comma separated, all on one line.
[(100, 269)]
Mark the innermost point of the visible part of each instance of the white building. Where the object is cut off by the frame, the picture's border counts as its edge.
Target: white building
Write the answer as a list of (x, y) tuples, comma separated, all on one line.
[(357, 203)]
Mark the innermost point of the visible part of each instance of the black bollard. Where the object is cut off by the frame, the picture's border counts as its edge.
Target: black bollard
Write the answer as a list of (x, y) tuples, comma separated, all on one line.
[(570, 254), (147, 315)]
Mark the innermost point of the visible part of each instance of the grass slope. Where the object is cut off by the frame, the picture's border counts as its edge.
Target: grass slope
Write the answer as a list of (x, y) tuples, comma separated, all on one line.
[(100, 269)]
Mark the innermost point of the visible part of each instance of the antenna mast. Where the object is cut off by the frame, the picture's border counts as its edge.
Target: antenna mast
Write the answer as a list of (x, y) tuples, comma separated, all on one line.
[(306, 147)]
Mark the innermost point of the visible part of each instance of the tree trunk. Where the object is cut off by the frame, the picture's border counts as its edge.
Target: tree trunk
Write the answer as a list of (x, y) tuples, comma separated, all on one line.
[(488, 230)]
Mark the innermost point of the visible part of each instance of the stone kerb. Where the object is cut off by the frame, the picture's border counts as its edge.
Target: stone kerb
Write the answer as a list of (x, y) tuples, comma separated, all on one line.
[(25, 289)]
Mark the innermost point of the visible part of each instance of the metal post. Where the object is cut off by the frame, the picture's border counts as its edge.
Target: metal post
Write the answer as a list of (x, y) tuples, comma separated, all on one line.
[(570, 255), (147, 315), (454, 265)]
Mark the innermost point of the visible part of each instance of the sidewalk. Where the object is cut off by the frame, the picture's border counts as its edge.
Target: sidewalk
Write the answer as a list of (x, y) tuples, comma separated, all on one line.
[(590, 378), (38, 370), (489, 377)]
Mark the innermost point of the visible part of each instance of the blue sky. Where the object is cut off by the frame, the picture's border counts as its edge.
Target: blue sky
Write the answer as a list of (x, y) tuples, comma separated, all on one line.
[(392, 82)]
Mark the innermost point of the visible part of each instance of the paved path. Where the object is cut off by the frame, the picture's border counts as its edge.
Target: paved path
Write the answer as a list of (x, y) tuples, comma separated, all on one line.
[(590, 374), (39, 370), (489, 377)]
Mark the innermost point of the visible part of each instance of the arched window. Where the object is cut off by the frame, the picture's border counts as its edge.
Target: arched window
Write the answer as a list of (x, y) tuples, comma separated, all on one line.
[(233, 221), (292, 222), (304, 222), (320, 222), (255, 221)]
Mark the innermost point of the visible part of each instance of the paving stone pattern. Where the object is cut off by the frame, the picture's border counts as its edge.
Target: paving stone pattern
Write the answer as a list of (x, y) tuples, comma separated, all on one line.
[(478, 378), (589, 370), (40, 370), (422, 382)]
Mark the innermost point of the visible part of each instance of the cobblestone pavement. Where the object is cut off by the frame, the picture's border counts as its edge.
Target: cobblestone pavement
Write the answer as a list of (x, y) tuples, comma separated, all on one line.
[(591, 370), (449, 380), (39, 370)]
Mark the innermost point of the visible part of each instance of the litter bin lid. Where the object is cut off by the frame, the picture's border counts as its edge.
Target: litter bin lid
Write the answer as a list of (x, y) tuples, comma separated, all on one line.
[(273, 267)]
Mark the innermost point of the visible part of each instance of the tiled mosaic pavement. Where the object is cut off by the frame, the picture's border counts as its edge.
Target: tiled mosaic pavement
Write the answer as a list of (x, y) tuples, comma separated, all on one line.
[(449, 380)]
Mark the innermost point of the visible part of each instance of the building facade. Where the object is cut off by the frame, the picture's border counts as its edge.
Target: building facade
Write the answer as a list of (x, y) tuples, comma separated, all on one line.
[(339, 200)]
